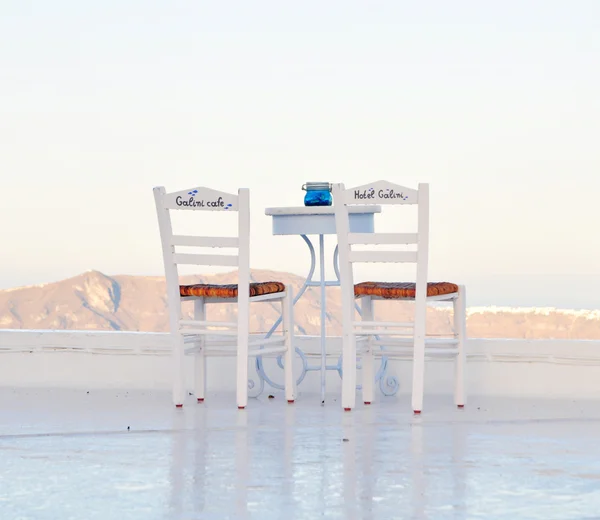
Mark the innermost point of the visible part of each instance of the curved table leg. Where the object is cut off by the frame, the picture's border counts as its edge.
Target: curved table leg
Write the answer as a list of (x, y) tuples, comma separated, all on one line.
[(388, 385), (260, 369)]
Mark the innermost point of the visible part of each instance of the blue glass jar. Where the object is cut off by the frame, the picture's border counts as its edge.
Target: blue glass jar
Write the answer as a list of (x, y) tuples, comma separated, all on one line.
[(317, 194)]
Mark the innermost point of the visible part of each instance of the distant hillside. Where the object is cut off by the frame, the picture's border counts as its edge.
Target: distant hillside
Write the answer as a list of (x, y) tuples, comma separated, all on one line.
[(95, 301)]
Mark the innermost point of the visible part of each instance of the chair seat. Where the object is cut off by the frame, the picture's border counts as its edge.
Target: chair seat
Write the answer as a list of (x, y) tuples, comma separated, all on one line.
[(207, 290), (402, 290)]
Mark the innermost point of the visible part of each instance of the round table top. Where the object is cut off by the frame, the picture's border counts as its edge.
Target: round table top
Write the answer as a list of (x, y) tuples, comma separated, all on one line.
[(319, 210)]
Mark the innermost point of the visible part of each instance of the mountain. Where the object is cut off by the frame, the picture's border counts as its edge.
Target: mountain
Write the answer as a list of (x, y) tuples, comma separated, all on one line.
[(95, 301)]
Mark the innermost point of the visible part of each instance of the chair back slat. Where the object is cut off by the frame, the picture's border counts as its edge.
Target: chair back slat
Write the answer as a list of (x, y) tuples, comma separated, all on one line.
[(383, 256), (382, 238), (193, 241), (197, 259)]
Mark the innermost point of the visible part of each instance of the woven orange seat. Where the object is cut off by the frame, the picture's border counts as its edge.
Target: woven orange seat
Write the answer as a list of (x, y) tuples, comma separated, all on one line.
[(207, 290), (402, 290)]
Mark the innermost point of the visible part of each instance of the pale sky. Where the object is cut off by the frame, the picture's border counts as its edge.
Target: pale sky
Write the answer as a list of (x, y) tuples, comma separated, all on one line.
[(495, 104)]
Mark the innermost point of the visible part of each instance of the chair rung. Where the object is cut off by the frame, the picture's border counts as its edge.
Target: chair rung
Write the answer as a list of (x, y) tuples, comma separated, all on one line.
[(407, 325), (428, 352), (408, 354), (267, 351), (224, 340), (383, 332), (440, 351), (205, 332), (408, 342), (231, 351), (198, 323), (267, 341), (223, 352)]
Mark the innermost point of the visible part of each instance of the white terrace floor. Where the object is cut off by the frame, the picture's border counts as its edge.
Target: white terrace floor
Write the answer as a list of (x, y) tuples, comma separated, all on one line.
[(69, 454)]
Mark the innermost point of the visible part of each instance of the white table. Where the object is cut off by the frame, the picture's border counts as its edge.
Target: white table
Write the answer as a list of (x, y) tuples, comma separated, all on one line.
[(319, 220)]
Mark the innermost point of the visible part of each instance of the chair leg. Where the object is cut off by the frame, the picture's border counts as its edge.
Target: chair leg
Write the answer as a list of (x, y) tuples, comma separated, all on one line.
[(420, 331), (368, 365), (418, 375), (349, 371), (287, 312), (460, 329), (178, 370), (242, 360), (200, 357)]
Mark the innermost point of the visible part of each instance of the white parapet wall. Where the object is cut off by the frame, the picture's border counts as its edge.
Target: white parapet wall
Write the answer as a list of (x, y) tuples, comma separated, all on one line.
[(137, 360)]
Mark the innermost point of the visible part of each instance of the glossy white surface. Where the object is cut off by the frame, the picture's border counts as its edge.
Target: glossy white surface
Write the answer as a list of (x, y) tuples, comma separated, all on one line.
[(67, 454)]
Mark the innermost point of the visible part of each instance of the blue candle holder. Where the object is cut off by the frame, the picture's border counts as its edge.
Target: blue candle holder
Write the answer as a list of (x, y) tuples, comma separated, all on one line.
[(317, 194)]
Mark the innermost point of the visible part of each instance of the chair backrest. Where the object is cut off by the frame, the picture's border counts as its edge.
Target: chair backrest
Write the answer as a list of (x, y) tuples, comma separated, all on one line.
[(381, 193), (204, 199)]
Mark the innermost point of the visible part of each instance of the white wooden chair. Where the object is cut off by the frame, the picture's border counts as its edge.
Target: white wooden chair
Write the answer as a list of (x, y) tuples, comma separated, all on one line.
[(218, 339), (399, 339)]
